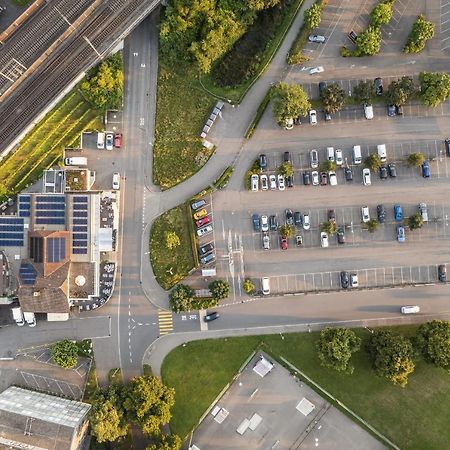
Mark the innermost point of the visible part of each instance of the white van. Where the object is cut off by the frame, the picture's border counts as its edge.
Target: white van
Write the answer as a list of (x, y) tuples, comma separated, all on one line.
[(30, 319), (76, 161), (410, 309), (357, 158), (330, 154), (116, 181), (100, 140), (368, 111), (423, 210), (381, 149), (265, 285), (18, 316)]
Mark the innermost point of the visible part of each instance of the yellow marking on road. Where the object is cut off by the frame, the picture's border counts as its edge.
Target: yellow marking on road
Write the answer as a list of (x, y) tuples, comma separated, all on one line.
[(165, 322)]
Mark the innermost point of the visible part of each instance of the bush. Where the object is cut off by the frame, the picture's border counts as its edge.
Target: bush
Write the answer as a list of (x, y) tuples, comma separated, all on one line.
[(297, 58), (65, 353), (416, 159), (222, 181), (345, 52), (219, 289), (181, 298), (433, 341), (248, 286), (313, 16), (421, 31), (259, 113), (381, 14), (368, 42)]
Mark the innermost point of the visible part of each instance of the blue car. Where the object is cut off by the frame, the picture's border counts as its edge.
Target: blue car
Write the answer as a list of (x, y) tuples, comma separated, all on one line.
[(426, 169), (256, 222), (398, 213), (198, 204)]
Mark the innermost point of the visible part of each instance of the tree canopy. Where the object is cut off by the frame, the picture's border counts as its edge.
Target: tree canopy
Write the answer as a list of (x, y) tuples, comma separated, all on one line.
[(165, 442), (400, 90), (433, 341), (415, 221), (286, 169), (333, 98), (368, 42), (381, 14), (219, 289), (416, 159), (65, 353), (364, 91), (289, 101), (172, 240), (287, 231), (373, 162), (421, 31), (329, 227), (372, 225), (181, 298), (434, 87), (313, 15), (248, 286)]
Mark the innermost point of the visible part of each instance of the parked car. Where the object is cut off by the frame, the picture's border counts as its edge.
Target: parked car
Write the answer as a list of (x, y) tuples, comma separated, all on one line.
[(338, 157), (314, 158), (399, 110), (298, 219), (392, 170), (289, 217), (426, 169), (348, 174), (315, 178), (314, 70), (383, 172), (256, 222), (368, 111), (354, 280), (401, 234), (211, 316), (263, 162), (410, 309), (116, 180), (378, 86), (290, 180), (109, 144), (272, 182), (307, 178), (198, 204), (205, 230), (323, 178), (381, 213), (210, 257), (273, 223), (345, 280), (442, 273), (333, 178), (330, 154), (306, 222), (322, 87), (447, 146), (284, 243), (398, 213), (423, 210), (289, 125), (391, 110), (203, 221), (286, 157), (331, 215), (313, 117), (365, 214), (366, 177), (281, 183), (254, 182), (118, 140), (326, 116), (264, 223), (200, 214), (316, 38), (205, 249), (352, 36), (264, 183), (340, 233), (266, 241), (298, 240), (324, 239)]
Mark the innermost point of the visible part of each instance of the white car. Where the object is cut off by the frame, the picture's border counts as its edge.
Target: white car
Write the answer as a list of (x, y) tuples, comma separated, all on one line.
[(366, 177), (316, 38), (365, 214), (281, 183), (116, 181), (205, 230), (109, 141), (318, 69), (333, 178), (266, 241), (272, 182), (314, 158), (354, 280), (368, 111), (313, 117), (338, 157), (264, 223), (289, 124), (315, 178), (254, 181), (264, 183), (306, 222), (324, 239)]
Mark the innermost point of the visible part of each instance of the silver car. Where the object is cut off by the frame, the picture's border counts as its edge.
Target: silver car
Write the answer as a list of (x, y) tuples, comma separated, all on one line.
[(266, 241), (314, 159), (316, 38)]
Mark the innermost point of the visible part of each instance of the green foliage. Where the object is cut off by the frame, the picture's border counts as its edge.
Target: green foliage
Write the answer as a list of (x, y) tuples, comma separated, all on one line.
[(224, 178), (373, 162), (328, 166), (259, 113), (368, 42), (329, 227), (333, 98), (371, 226), (297, 58), (335, 348), (400, 90), (381, 14), (415, 159), (65, 353), (286, 231), (248, 286), (165, 442), (286, 169), (107, 420), (172, 240), (219, 289), (103, 86), (434, 87), (433, 341), (313, 16), (254, 169), (364, 91), (289, 101), (391, 356), (415, 221), (181, 298), (421, 31), (345, 52)]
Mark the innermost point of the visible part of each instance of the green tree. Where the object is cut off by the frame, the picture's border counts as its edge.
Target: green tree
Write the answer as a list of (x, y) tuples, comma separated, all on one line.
[(368, 42), (421, 31), (335, 348), (313, 16), (165, 442), (219, 289), (181, 298), (433, 341), (289, 101), (391, 356), (248, 286), (371, 226), (399, 91), (415, 221), (373, 162), (434, 87), (364, 91), (333, 98), (65, 353), (107, 421), (415, 159), (258, 5), (286, 231), (148, 402), (328, 166), (286, 169), (329, 227), (172, 240), (381, 14)]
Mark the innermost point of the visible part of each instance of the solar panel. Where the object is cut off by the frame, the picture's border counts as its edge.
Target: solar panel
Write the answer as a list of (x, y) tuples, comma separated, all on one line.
[(80, 243), (80, 221), (82, 206), (51, 206), (11, 235), (23, 213), (25, 205), (47, 221), (56, 249), (79, 251), (9, 243), (77, 199), (80, 236), (27, 273), (51, 198), (80, 228), (11, 220), (50, 213), (80, 214), (11, 228), (25, 198), (37, 249)]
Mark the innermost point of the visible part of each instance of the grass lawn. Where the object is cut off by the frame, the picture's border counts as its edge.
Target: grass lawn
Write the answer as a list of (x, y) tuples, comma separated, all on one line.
[(43, 146), (182, 108), (415, 417), (170, 266)]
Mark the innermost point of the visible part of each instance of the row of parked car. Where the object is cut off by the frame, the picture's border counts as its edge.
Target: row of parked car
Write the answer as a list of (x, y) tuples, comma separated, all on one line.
[(204, 226)]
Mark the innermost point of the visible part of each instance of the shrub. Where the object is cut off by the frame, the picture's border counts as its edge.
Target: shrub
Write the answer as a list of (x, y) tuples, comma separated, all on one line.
[(345, 52), (421, 31), (65, 353)]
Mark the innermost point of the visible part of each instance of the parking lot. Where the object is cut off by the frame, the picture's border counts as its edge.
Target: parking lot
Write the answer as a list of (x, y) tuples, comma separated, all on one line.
[(203, 217)]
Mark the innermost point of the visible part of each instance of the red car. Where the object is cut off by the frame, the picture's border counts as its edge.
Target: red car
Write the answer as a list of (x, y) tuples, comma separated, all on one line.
[(202, 222), (323, 178), (118, 140), (283, 243)]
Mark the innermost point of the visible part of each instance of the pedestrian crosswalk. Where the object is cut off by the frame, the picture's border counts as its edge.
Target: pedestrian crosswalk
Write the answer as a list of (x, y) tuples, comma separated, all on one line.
[(165, 322)]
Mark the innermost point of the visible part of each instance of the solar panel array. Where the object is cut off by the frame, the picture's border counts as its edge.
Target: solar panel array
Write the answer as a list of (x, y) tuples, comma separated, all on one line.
[(11, 232), (80, 225), (27, 273), (56, 249), (50, 209), (24, 205)]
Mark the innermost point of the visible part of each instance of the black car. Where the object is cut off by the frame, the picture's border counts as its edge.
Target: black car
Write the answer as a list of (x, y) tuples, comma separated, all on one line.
[(391, 110), (345, 280), (297, 121), (348, 174), (383, 172), (289, 217), (206, 249), (331, 215), (323, 178), (381, 213), (442, 273), (263, 162), (352, 36), (286, 157), (378, 86), (298, 219), (290, 181), (447, 146), (306, 178), (256, 222), (211, 316), (322, 87), (327, 116), (399, 110), (340, 233), (392, 170), (273, 222)]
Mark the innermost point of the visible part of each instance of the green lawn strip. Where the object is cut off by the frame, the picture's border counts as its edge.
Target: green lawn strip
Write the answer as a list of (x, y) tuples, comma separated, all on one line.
[(182, 108), (237, 93), (259, 113), (91, 384), (170, 266), (224, 178), (201, 369), (22, 2)]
